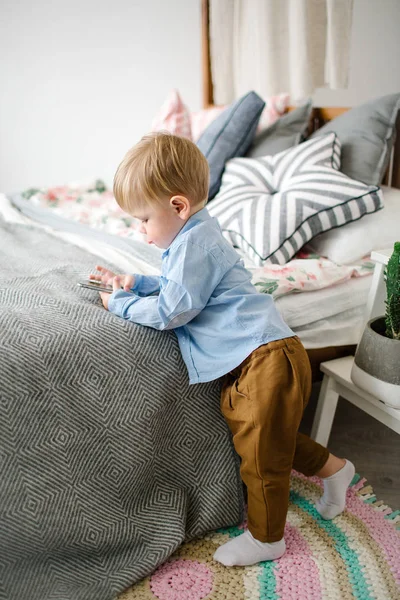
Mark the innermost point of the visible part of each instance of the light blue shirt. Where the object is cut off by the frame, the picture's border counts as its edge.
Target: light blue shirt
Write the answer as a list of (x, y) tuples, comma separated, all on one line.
[(205, 294)]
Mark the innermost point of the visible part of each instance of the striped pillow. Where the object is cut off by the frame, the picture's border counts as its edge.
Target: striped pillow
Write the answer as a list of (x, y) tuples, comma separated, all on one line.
[(271, 206)]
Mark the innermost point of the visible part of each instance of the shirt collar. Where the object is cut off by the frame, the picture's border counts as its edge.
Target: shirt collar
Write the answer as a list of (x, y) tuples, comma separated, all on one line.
[(201, 215)]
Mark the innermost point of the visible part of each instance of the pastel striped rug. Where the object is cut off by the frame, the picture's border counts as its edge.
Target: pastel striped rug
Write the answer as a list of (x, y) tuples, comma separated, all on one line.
[(357, 555)]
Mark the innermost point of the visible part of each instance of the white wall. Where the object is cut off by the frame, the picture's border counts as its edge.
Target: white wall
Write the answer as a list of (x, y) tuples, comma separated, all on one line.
[(80, 80)]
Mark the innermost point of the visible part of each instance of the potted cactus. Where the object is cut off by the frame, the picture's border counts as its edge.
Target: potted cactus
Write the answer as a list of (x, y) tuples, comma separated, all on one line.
[(392, 278), (376, 365)]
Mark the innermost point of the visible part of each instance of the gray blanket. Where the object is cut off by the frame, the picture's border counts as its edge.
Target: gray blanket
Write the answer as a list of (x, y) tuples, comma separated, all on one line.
[(109, 460)]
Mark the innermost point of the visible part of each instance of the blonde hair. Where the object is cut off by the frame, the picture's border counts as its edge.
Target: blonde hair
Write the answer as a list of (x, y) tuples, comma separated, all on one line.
[(161, 165)]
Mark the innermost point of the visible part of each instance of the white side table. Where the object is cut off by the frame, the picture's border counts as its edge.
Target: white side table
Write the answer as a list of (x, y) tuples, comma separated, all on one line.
[(337, 381)]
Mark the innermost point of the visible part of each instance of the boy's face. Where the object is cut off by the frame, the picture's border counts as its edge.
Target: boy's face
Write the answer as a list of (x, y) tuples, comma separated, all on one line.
[(160, 223)]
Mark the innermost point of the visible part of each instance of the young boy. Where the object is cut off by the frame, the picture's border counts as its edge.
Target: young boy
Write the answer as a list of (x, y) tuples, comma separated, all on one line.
[(224, 328)]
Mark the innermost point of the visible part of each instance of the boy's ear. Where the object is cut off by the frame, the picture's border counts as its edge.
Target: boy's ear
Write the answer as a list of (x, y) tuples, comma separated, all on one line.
[(181, 206)]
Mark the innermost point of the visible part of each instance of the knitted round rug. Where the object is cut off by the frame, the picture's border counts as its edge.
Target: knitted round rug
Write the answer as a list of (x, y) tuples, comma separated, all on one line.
[(356, 555)]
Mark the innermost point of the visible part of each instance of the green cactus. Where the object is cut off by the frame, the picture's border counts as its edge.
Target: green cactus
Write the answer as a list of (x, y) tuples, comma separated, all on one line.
[(392, 279)]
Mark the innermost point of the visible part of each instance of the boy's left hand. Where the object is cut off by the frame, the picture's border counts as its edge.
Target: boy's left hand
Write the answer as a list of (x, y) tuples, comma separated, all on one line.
[(105, 297)]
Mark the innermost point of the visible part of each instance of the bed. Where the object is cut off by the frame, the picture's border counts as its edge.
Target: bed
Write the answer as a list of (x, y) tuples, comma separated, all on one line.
[(97, 470), (107, 466)]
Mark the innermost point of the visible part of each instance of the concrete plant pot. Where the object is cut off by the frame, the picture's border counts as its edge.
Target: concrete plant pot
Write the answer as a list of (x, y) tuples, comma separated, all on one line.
[(376, 367)]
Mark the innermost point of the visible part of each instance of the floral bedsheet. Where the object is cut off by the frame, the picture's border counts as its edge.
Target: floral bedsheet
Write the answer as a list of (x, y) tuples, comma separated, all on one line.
[(94, 205)]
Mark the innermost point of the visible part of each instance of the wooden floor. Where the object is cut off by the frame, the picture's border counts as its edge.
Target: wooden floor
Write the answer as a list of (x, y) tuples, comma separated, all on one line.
[(371, 446)]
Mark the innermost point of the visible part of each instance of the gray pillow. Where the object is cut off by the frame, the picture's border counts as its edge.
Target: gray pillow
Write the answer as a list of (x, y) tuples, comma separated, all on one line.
[(288, 131), (230, 135), (367, 134)]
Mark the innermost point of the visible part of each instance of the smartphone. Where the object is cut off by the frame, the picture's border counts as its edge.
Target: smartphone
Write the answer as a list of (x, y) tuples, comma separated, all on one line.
[(97, 286)]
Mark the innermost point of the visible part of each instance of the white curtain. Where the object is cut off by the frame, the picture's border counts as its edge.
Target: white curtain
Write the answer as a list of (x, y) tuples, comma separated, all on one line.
[(274, 46)]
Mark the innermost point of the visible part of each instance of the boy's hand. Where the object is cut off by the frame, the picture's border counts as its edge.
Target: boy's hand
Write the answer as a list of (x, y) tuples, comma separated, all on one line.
[(126, 281), (105, 297)]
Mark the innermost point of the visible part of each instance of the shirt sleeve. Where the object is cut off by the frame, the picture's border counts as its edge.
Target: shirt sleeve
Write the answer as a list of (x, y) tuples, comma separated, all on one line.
[(146, 285), (184, 291)]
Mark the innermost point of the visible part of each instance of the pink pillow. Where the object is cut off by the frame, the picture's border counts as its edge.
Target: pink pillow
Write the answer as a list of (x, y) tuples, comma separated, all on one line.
[(173, 116), (275, 107)]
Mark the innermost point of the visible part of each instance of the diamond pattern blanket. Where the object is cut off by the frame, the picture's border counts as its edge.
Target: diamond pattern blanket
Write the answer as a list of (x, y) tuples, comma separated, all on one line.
[(109, 460)]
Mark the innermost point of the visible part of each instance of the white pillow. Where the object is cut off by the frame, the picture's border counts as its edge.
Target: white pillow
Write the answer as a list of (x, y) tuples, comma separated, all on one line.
[(376, 231)]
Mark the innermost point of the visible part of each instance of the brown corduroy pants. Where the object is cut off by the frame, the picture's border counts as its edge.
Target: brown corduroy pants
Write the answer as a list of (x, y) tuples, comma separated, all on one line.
[(263, 401)]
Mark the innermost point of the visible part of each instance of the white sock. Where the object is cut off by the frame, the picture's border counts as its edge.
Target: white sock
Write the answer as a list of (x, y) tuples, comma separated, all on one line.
[(246, 550), (333, 500)]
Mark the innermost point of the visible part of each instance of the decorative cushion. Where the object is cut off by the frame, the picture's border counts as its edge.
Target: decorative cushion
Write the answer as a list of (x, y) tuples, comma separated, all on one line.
[(173, 116), (288, 131), (367, 134), (271, 206), (346, 245), (230, 135), (275, 107)]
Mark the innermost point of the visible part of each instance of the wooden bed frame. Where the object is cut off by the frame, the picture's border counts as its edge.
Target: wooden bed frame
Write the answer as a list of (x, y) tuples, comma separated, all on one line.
[(320, 116)]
